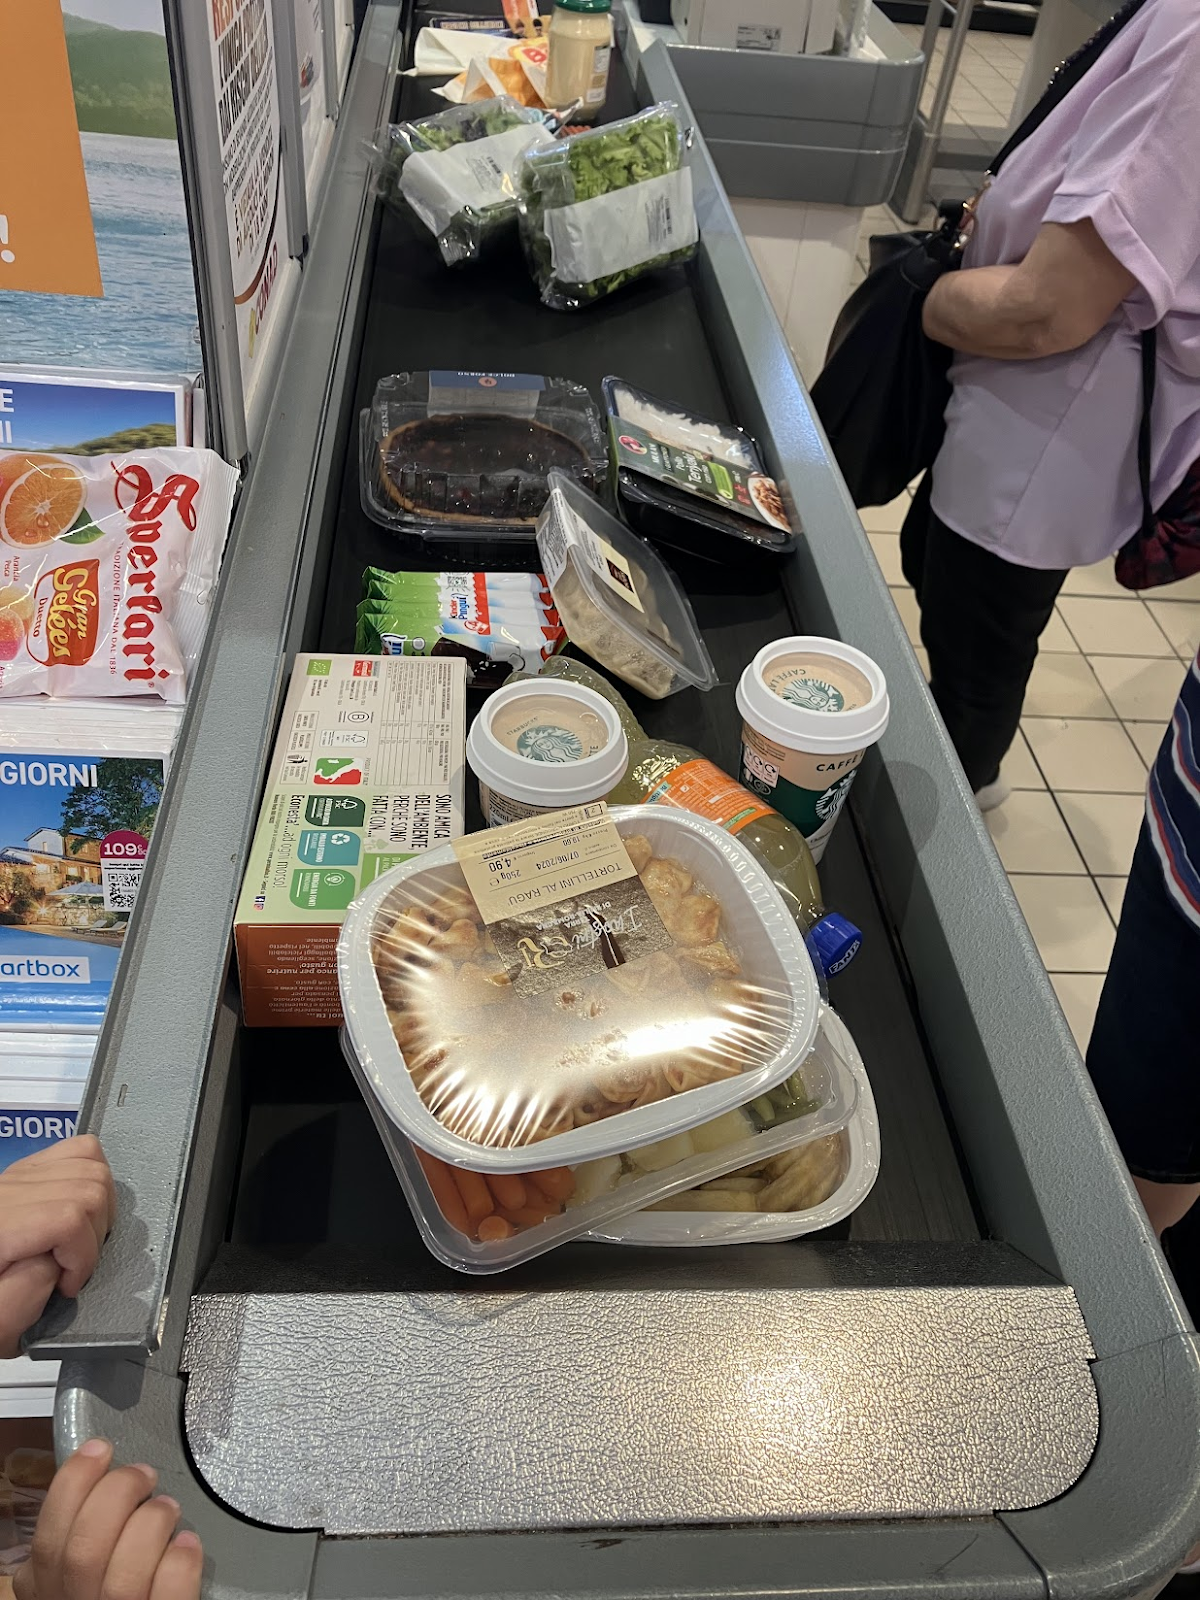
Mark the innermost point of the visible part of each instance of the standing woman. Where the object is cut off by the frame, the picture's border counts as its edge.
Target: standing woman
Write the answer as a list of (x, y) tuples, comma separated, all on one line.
[(1090, 234)]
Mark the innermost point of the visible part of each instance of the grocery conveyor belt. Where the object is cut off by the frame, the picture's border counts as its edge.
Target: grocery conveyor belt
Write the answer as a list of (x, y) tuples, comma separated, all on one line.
[(420, 316), (916, 1409)]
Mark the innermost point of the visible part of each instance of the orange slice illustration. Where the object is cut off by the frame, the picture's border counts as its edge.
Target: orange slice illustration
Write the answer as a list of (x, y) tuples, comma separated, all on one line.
[(40, 498)]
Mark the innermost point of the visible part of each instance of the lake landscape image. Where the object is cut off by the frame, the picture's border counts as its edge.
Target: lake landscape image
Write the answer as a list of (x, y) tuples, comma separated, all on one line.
[(146, 319)]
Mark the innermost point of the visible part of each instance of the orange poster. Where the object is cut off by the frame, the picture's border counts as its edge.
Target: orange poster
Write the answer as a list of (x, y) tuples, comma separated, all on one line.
[(47, 243)]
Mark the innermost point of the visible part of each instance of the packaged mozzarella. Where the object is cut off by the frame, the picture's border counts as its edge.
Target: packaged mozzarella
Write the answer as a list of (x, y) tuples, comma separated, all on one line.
[(107, 567)]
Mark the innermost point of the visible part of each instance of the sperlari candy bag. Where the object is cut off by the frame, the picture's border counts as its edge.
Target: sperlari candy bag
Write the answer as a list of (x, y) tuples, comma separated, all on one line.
[(107, 567)]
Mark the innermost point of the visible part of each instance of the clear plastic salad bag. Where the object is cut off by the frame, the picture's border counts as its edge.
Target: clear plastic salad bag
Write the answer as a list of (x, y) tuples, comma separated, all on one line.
[(603, 207), (456, 170)]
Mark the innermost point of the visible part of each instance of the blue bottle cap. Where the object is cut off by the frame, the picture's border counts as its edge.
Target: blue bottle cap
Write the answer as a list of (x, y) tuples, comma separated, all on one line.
[(834, 942)]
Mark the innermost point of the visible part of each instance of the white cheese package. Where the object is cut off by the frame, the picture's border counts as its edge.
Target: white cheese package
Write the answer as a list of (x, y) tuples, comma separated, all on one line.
[(483, 1222), (786, 1192), (573, 985), (456, 170), (107, 569), (617, 598), (603, 207)]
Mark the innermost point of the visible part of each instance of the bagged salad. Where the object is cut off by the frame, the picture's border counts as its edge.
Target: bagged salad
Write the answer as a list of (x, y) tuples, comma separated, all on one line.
[(455, 170), (603, 207)]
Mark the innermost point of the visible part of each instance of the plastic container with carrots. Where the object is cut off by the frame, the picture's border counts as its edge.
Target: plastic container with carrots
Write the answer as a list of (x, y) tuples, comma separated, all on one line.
[(483, 1222)]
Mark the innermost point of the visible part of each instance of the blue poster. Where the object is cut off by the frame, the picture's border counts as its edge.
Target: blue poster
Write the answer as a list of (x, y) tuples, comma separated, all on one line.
[(73, 831), (87, 417), (25, 1132)]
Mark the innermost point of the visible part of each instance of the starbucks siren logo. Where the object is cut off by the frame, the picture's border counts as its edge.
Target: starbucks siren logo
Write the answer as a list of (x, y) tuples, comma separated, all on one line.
[(547, 743), (830, 803), (814, 694)]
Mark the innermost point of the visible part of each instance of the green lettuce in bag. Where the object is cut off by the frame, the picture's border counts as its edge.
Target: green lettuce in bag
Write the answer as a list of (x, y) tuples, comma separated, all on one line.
[(605, 206)]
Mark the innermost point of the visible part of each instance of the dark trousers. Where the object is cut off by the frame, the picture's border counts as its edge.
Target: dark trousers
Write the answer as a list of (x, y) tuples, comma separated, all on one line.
[(1142, 1057), (981, 619)]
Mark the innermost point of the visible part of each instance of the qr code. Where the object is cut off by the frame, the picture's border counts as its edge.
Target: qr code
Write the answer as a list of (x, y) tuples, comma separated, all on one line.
[(121, 885)]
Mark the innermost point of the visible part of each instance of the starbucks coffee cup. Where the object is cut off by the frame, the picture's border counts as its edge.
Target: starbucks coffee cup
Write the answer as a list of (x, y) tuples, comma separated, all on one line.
[(811, 709), (542, 746)]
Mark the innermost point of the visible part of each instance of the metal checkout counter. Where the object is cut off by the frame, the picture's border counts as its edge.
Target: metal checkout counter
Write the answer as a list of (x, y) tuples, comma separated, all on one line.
[(986, 1387)]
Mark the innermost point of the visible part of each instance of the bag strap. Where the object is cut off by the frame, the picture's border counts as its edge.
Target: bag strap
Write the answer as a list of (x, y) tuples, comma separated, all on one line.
[(1149, 377), (1066, 77)]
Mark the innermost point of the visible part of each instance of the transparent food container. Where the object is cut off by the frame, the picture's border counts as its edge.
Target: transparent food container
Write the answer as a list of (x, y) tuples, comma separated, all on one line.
[(854, 1151), (686, 481), (586, 1027), (448, 453), (603, 207), (456, 170), (488, 1222), (617, 598)]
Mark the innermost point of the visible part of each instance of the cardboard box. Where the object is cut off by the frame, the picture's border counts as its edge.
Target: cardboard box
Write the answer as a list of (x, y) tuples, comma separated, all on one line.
[(367, 771), (776, 27)]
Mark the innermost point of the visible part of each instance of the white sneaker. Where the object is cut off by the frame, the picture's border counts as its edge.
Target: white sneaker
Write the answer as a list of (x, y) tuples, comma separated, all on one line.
[(992, 795)]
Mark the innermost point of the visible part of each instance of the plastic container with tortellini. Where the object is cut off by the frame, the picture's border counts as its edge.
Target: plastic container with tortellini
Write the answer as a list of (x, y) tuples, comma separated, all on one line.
[(617, 598), (484, 1222), (592, 1025), (781, 1193)]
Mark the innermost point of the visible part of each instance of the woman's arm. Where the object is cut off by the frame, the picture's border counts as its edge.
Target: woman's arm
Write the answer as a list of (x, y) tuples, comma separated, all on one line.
[(1058, 298)]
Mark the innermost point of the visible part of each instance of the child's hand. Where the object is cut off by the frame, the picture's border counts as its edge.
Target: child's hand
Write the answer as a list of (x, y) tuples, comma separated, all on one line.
[(56, 1209), (100, 1536)]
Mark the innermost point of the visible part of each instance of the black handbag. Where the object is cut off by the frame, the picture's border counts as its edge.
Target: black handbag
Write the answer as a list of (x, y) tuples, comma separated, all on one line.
[(882, 394)]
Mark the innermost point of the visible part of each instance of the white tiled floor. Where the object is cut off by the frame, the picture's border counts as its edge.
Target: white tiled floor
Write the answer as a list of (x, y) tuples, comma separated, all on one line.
[(1109, 671)]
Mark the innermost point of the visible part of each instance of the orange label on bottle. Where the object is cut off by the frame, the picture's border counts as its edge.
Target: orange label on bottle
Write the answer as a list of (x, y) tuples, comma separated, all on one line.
[(703, 788)]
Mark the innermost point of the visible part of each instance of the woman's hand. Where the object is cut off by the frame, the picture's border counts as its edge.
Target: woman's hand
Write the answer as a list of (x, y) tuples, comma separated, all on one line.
[(56, 1209), (1061, 295), (101, 1536)]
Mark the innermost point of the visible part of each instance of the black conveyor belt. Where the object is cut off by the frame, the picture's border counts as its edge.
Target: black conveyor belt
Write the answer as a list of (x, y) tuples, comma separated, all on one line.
[(316, 1187)]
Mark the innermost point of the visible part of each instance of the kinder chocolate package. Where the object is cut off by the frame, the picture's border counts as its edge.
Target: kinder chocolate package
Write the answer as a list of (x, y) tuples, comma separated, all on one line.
[(107, 567)]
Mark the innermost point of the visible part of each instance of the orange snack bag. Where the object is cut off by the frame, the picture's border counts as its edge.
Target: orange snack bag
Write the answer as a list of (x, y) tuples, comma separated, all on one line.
[(107, 567)]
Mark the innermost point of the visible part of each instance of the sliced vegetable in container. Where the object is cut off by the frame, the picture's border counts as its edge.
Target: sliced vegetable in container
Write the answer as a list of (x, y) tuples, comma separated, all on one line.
[(485, 1222), (794, 1189)]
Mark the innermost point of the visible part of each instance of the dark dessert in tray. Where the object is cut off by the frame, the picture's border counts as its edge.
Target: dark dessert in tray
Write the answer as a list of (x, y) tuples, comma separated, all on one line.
[(477, 467)]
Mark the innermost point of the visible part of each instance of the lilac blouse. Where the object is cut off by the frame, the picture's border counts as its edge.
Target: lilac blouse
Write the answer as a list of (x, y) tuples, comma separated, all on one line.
[(1039, 462)]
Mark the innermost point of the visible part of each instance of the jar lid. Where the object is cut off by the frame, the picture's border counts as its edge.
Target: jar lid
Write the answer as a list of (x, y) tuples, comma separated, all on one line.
[(593, 6)]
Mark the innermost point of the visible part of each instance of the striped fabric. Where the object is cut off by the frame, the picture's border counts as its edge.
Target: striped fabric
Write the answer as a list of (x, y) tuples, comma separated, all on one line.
[(1173, 799)]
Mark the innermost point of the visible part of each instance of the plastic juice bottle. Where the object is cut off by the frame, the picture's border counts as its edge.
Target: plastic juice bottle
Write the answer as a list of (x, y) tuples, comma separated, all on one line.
[(661, 772), (580, 40)]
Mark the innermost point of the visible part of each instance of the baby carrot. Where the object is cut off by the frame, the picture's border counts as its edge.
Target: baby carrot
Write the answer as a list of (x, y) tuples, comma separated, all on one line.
[(557, 1182), (508, 1189), (445, 1192), (493, 1229), (529, 1216), (477, 1197)]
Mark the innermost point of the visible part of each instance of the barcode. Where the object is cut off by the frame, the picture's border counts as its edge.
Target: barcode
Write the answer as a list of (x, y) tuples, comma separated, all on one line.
[(658, 222), (756, 36), (486, 170), (554, 547), (121, 885)]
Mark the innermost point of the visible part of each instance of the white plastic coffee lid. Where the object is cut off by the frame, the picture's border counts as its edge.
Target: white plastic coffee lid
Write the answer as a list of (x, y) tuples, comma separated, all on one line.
[(830, 730), (547, 763)]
